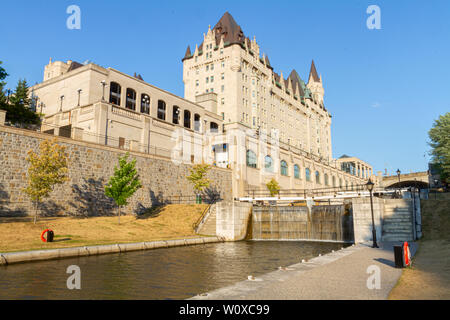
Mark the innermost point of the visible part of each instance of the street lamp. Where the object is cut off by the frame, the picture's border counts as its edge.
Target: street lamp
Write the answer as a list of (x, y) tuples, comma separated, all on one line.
[(370, 186), (398, 174)]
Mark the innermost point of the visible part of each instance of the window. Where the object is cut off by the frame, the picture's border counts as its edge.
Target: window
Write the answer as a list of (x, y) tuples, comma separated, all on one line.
[(251, 159), (196, 122), (333, 179), (145, 103), (114, 93), (196, 83), (161, 110), (308, 174), (325, 177), (212, 66), (223, 64), (268, 164), (131, 99), (222, 101), (213, 127), (187, 119), (207, 79), (223, 115), (222, 88), (212, 78), (222, 76), (121, 142), (296, 171), (284, 168), (317, 177), (175, 114)]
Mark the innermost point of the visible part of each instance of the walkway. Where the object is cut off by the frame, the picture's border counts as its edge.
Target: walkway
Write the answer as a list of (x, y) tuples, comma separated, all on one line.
[(336, 276)]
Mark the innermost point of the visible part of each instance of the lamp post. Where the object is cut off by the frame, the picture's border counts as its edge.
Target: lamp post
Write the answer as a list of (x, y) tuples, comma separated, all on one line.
[(398, 175), (370, 186)]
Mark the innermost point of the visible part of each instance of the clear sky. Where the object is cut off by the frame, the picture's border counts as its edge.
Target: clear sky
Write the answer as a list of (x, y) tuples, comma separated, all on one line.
[(384, 88)]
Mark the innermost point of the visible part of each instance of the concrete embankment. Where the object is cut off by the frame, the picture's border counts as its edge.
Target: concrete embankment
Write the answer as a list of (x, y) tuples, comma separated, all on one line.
[(347, 274), (28, 256)]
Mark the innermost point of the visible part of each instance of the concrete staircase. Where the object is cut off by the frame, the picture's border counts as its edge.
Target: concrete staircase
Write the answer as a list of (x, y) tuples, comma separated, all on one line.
[(397, 221), (209, 225)]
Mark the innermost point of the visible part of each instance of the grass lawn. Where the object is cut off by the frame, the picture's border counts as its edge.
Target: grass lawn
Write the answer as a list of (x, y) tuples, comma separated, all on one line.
[(163, 223), (429, 276)]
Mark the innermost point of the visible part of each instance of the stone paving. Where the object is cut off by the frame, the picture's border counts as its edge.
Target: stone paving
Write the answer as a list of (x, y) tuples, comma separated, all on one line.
[(340, 275)]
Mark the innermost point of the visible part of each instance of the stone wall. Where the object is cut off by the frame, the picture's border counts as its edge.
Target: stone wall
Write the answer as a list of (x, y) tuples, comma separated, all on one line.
[(90, 166)]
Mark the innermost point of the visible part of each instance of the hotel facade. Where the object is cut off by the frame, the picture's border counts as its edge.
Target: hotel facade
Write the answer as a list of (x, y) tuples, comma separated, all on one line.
[(237, 112)]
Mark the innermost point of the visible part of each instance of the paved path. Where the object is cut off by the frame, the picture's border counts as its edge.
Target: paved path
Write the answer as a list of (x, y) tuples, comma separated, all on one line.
[(338, 275)]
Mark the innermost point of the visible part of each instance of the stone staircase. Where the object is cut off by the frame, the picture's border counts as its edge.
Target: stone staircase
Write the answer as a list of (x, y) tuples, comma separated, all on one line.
[(398, 221), (209, 225)]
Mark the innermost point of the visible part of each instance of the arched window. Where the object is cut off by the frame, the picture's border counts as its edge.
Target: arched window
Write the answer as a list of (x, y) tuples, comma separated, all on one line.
[(161, 110), (175, 114), (296, 171), (268, 164), (317, 177), (284, 168), (333, 179), (187, 119), (145, 103), (213, 127), (251, 159), (325, 177), (340, 182), (196, 122), (308, 174), (131, 99), (114, 93)]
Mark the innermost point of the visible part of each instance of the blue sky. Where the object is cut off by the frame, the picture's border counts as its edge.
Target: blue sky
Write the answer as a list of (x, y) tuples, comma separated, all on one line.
[(384, 88)]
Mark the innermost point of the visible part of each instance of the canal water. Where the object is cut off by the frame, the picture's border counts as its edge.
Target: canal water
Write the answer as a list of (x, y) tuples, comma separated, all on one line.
[(165, 273)]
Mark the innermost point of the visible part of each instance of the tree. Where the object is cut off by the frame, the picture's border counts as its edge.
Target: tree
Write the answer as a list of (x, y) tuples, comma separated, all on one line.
[(198, 178), (440, 143), (18, 111), (46, 170), (123, 183), (3, 75), (274, 187)]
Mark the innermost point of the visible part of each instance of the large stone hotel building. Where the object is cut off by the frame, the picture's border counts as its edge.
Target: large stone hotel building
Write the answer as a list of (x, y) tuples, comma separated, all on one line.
[(237, 112)]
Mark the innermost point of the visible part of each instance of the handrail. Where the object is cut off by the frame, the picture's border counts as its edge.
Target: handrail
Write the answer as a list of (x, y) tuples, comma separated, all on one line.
[(197, 223)]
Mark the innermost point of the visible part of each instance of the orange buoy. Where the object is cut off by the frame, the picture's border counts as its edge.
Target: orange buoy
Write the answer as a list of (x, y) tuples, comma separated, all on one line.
[(406, 255), (44, 232)]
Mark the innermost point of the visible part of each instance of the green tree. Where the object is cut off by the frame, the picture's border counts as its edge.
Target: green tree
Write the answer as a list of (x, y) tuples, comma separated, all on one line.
[(18, 111), (440, 143), (198, 179), (274, 187), (123, 183), (3, 75), (45, 171)]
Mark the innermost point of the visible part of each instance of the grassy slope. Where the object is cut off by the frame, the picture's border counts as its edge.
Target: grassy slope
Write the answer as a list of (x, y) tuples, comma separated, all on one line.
[(169, 222), (429, 278)]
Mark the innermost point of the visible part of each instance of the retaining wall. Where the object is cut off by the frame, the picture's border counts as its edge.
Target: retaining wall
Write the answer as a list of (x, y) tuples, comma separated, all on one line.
[(90, 166)]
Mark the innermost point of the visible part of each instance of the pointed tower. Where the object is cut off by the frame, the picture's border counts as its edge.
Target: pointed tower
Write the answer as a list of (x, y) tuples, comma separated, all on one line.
[(315, 84)]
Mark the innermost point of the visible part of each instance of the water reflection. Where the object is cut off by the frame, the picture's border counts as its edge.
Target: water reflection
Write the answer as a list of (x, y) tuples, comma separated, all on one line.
[(168, 273)]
